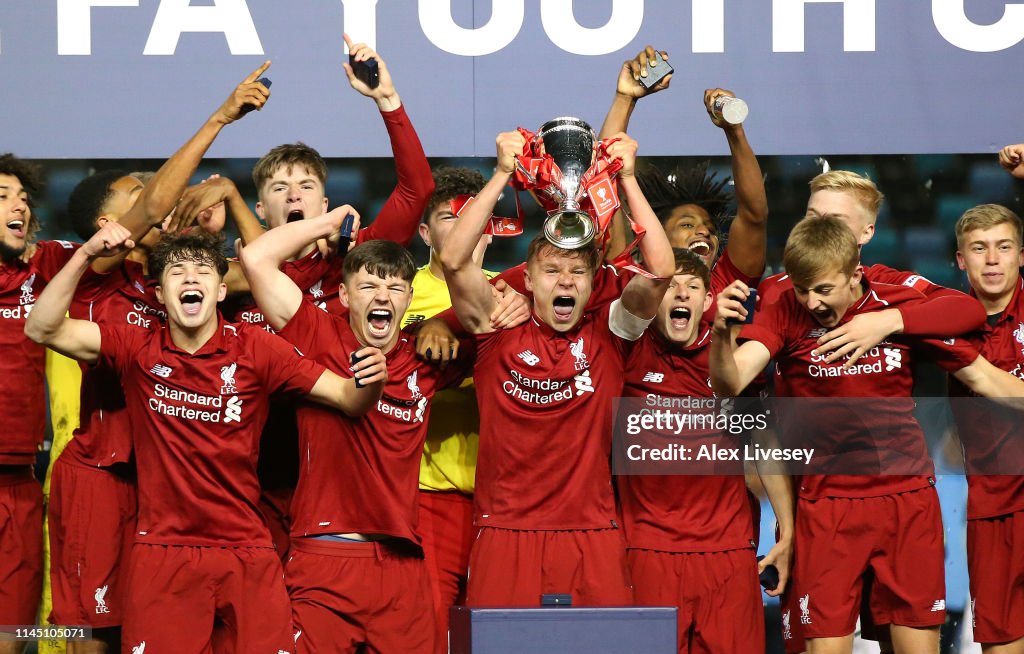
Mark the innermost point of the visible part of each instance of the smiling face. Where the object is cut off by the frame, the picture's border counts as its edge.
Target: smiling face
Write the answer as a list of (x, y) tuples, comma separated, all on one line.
[(190, 289), (690, 227), (561, 282), (291, 192), (375, 306), (992, 259), (15, 217), (829, 296)]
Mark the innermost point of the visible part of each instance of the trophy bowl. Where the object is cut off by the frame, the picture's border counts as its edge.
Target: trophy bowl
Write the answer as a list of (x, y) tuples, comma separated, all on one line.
[(570, 142)]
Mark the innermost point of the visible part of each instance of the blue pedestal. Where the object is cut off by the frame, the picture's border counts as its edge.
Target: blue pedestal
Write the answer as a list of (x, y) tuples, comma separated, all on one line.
[(650, 630)]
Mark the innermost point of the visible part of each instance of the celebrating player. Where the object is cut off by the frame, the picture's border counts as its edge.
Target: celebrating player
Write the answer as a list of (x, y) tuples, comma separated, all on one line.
[(544, 502), (203, 573)]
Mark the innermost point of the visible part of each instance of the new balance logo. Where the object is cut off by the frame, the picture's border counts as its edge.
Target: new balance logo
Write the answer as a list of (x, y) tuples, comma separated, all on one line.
[(529, 357), (817, 333), (654, 377), (160, 370), (233, 410), (939, 605), (893, 358)]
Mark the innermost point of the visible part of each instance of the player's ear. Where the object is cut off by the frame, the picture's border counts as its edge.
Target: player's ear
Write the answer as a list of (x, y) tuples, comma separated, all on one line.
[(858, 274), (963, 266), (159, 294), (708, 299), (222, 292), (260, 212), (425, 234), (343, 295), (526, 280)]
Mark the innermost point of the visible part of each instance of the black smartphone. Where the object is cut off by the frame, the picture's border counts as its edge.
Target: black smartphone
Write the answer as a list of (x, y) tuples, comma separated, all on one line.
[(656, 71), (356, 359), (246, 108), (366, 71), (345, 233), (769, 577), (749, 305)]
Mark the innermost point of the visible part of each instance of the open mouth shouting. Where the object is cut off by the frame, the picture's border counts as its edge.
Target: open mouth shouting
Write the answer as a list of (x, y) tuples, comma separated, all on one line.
[(563, 306), (701, 247), (379, 322), (295, 214), (679, 317), (17, 227), (191, 302)]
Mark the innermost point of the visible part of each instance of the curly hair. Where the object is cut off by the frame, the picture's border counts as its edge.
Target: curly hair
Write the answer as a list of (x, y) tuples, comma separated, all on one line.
[(85, 204), (31, 177), (686, 185), (196, 246), (449, 183)]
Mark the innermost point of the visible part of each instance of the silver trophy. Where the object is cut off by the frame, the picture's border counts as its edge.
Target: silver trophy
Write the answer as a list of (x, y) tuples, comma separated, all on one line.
[(570, 142)]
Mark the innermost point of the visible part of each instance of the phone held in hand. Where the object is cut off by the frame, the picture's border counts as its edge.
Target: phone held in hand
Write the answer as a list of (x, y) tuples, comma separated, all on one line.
[(657, 70), (246, 108), (345, 233), (365, 71), (769, 577), (749, 305), (354, 358)]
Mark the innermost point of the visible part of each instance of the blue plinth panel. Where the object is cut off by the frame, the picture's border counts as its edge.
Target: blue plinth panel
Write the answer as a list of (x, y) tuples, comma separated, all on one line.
[(633, 630)]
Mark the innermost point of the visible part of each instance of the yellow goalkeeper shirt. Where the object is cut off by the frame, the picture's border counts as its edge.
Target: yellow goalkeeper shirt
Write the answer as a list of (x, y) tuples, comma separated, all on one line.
[(453, 438)]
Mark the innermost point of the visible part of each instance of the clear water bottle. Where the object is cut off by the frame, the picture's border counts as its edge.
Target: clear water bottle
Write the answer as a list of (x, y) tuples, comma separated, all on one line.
[(733, 110)]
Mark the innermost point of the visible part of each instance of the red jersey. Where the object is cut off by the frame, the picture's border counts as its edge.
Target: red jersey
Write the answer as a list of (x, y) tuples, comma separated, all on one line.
[(546, 425), (121, 297), (991, 436), (947, 312), (196, 422), (681, 513), (361, 474), (882, 433), (22, 362)]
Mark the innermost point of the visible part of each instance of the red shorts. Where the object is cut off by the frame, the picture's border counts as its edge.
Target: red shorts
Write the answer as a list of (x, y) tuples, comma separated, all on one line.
[(995, 561), (717, 593), (897, 538), (347, 594), (21, 545), (446, 524), (513, 568), (275, 506), (206, 599), (92, 525), (792, 631)]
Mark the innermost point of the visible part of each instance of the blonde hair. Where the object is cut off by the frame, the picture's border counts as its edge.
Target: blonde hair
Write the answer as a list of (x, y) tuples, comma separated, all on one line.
[(987, 216), (856, 185), (818, 246)]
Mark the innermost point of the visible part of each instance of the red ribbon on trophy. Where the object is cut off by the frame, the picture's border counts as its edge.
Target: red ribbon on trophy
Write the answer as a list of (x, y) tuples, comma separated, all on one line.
[(497, 226), (599, 197)]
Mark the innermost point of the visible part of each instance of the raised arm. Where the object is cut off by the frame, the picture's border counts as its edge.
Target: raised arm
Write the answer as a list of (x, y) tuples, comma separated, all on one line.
[(275, 293), (733, 367), (470, 291), (628, 90), (48, 323), (748, 234), (1011, 158), (642, 295), (399, 218), (346, 395), (162, 192)]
